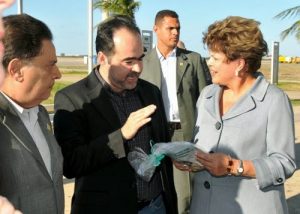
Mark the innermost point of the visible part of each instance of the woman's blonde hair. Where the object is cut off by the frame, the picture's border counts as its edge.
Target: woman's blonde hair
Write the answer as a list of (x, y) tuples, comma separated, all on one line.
[(237, 37)]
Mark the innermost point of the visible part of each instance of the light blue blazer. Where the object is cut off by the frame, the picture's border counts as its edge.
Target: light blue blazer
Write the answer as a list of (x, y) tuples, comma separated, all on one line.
[(260, 128)]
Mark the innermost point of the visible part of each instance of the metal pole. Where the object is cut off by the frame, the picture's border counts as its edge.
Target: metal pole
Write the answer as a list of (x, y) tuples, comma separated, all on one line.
[(147, 37), (20, 6), (274, 63), (90, 36)]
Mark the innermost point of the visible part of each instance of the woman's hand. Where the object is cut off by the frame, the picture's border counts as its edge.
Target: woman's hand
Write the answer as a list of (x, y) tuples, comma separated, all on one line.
[(218, 164)]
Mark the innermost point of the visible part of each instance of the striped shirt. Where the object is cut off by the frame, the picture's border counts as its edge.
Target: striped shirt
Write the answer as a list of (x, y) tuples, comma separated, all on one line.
[(125, 103)]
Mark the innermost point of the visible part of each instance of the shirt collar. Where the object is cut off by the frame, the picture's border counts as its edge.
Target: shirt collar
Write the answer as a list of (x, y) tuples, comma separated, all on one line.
[(260, 86), (20, 109), (161, 57), (100, 78)]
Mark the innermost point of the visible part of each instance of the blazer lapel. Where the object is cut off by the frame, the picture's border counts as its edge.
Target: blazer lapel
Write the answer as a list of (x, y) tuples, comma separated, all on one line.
[(211, 104), (14, 124), (46, 128), (182, 66), (155, 75), (146, 100), (101, 101), (247, 102), (143, 95)]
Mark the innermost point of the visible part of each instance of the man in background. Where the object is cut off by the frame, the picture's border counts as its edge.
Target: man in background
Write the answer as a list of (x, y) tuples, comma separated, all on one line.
[(181, 75), (30, 158)]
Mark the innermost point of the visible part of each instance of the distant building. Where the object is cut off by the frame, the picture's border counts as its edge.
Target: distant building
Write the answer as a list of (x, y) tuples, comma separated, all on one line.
[(147, 37)]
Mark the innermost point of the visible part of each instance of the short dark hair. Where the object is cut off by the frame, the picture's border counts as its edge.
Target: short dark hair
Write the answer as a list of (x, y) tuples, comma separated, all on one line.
[(163, 13), (23, 37), (106, 30)]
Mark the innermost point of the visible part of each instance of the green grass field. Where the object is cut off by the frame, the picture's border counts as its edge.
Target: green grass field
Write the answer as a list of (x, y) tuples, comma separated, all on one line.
[(286, 86), (57, 86), (289, 86), (296, 102), (289, 78)]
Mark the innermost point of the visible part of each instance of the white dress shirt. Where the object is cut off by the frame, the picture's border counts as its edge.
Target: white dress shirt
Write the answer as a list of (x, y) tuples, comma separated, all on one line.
[(30, 119), (168, 87)]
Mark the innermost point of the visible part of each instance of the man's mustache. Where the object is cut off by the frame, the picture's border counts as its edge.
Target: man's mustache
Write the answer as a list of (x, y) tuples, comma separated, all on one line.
[(133, 74)]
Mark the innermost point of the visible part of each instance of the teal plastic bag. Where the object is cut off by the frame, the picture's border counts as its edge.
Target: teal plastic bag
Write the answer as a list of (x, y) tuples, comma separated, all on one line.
[(145, 165)]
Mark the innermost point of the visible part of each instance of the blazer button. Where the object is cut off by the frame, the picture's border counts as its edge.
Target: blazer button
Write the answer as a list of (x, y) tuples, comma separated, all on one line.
[(206, 185), (279, 180), (218, 125)]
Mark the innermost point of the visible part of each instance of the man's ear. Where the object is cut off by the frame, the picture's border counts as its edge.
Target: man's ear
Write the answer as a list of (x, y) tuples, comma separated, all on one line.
[(155, 28), (14, 70), (102, 58)]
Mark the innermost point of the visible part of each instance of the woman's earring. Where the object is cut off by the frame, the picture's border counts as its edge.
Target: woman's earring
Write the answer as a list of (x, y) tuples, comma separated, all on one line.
[(237, 72)]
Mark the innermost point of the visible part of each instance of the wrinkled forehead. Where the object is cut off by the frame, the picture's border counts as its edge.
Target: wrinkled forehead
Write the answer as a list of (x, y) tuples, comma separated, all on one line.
[(5, 4)]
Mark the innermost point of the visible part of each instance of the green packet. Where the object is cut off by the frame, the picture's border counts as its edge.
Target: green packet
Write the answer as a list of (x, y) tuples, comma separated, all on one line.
[(180, 151)]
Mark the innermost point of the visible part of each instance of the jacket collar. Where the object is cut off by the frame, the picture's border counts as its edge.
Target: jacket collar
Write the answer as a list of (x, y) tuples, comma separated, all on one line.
[(245, 104), (100, 99), (182, 66), (257, 91), (10, 119), (156, 73), (260, 87)]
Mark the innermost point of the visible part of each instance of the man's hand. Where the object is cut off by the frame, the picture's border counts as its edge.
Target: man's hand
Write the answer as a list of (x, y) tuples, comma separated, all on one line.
[(136, 120), (182, 166), (6, 207)]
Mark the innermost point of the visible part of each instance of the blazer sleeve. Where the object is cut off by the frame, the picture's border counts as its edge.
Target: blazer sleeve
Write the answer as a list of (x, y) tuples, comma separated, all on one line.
[(81, 154), (279, 162)]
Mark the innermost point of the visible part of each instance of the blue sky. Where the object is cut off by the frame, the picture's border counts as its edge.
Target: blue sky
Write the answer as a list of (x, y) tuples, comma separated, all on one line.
[(68, 20)]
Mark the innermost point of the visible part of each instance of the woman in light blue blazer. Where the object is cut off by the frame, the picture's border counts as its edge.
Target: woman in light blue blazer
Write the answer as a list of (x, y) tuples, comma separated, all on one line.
[(244, 127)]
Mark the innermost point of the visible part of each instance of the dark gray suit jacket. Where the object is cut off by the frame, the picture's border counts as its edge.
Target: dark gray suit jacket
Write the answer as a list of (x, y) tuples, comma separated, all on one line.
[(24, 179), (88, 130), (192, 75)]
